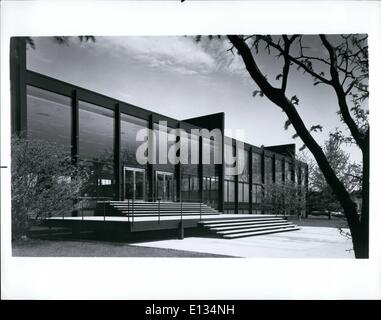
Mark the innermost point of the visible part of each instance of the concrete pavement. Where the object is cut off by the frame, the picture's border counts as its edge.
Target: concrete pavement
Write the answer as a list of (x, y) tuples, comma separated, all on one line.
[(308, 242)]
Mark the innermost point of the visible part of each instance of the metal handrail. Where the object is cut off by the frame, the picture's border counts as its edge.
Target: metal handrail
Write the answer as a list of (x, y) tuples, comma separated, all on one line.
[(159, 200), (96, 198), (81, 207), (181, 211), (128, 209), (133, 210)]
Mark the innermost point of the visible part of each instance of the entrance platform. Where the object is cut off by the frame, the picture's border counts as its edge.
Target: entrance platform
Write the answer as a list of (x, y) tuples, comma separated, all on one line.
[(222, 225)]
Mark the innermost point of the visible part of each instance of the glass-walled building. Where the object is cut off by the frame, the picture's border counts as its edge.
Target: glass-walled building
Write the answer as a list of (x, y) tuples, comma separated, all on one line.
[(101, 133)]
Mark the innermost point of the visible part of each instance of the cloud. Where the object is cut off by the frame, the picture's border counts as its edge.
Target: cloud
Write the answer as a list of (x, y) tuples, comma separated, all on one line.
[(177, 54), (226, 61)]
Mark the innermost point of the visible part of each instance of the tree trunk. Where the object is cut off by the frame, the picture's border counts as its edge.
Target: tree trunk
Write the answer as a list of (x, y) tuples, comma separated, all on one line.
[(359, 232), (364, 220)]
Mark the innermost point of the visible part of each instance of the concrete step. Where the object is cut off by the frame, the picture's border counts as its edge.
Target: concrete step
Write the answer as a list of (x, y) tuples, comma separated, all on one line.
[(252, 225), (243, 223), (195, 214), (257, 233), (151, 203), (164, 208), (238, 220), (254, 229), (168, 212)]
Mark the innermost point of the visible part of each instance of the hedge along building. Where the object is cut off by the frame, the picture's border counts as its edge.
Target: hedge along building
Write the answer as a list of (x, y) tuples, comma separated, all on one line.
[(101, 134)]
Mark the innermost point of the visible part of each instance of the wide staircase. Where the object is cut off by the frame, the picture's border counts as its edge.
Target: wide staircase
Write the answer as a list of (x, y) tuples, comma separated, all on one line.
[(153, 209), (239, 227)]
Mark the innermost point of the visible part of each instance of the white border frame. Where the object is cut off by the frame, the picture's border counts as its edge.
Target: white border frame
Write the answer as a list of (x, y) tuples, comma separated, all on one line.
[(160, 278)]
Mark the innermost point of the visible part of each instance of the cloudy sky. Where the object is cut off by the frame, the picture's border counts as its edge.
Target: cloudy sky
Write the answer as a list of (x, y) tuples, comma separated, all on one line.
[(180, 78)]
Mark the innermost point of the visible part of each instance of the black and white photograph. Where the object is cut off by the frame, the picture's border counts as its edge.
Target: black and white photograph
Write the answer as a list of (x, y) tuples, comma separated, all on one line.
[(236, 148)]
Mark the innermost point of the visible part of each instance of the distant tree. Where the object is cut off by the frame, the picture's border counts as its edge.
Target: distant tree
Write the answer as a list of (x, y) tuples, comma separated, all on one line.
[(45, 182), (60, 40), (345, 61), (321, 196), (284, 199)]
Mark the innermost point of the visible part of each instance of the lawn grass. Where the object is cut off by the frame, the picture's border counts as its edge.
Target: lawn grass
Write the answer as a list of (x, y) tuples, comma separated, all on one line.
[(320, 221), (92, 248)]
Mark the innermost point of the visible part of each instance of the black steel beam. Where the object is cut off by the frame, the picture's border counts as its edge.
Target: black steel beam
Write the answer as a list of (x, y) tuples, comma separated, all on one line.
[(150, 171), (117, 162), (74, 127), (251, 180), (18, 85)]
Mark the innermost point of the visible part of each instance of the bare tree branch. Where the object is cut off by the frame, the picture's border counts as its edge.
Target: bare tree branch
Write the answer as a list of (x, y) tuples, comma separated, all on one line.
[(296, 61), (341, 95), (278, 97)]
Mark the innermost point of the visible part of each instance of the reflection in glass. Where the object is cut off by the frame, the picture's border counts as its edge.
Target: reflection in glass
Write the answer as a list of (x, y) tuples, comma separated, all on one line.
[(229, 158), (190, 188), (165, 186), (244, 163), (268, 170), (48, 116), (96, 132), (278, 171), (101, 182), (257, 168), (164, 139), (209, 162), (129, 128)]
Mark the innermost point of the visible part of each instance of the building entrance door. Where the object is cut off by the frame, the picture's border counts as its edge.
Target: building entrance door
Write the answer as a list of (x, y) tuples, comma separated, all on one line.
[(134, 183), (165, 186)]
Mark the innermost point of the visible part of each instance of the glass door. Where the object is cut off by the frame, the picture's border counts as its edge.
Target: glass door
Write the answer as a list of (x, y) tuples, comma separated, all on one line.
[(165, 186), (134, 183)]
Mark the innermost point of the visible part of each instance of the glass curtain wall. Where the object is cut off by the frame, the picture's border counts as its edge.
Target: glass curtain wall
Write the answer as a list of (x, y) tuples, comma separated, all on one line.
[(229, 183), (210, 172), (278, 171), (96, 148), (268, 200), (49, 117), (164, 167), (189, 171), (257, 190), (244, 178), (134, 174)]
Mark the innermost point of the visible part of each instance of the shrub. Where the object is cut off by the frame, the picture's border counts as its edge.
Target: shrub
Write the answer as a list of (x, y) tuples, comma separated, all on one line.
[(45, 182)]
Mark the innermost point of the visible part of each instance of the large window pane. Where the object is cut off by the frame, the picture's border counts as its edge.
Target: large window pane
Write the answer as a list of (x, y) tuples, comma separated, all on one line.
[(49, 116), (244, 163), (268, 170), (208, 157), (101, 182), (164, 138), (243, 192), (96, 132), (289, 172), (190, 188), (302, 175), (278, 171), (246, 192), (129, 128), (214, 190), (257, 168), (230, 191), (192, 158), (257, 193), (229, 159)]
